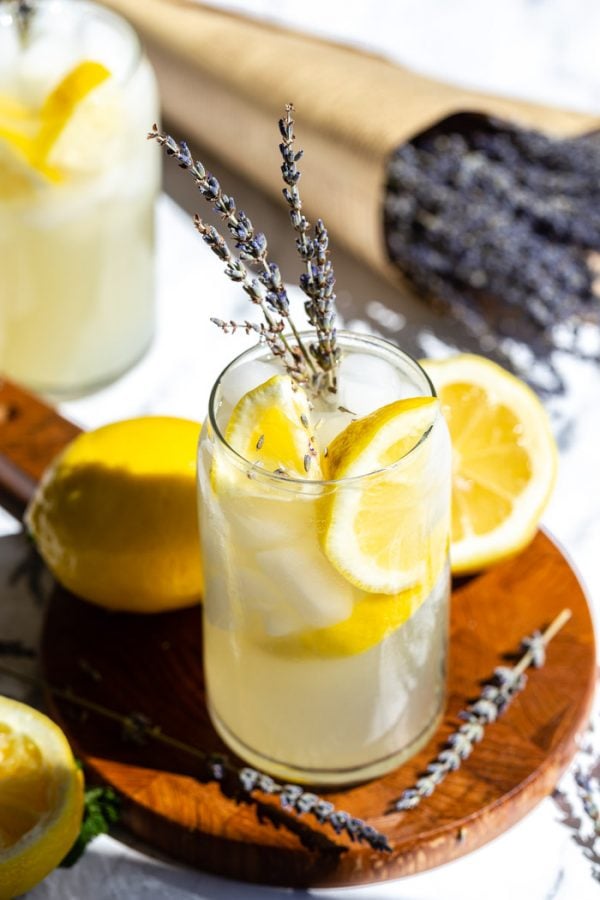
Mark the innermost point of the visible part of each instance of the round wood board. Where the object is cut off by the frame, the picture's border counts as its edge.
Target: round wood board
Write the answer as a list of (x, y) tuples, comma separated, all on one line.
[(153, 665)]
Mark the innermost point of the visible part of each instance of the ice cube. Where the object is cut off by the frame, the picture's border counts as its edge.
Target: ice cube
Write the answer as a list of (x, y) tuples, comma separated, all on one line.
[(367, 383), (256, 522), (262, 603), (241, 379), (308, 583)]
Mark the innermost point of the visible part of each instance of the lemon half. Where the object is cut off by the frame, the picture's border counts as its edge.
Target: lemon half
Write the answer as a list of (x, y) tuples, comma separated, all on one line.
[(504, 458), (41, 797)]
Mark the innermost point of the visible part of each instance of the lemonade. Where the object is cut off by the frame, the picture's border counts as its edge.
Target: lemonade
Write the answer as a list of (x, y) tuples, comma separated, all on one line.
[(325, 526), (77, 188)]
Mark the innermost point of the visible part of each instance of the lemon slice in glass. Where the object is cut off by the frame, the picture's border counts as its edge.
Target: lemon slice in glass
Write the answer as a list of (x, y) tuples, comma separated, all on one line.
[(504, 458), (371, 532), (41, 797), (270, 427)]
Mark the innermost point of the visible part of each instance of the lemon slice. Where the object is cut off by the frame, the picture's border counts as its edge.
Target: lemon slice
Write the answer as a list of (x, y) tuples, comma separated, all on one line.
[(32, 136), (504, 459), (18, 129), (115, 516), (61, 103), (270, 427), (373, 618), (41, 797), (374, 533)]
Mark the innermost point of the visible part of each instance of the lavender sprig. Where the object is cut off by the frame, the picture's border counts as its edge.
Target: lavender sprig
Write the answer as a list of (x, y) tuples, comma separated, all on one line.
[(24, 14), (589, 794), (294, 798), (272, 333), (494, 699), (252, 245), (319, 280), (583, 817), (137, 728)]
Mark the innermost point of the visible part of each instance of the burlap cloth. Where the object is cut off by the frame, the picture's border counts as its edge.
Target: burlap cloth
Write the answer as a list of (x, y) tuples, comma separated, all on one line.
[(224, 81)]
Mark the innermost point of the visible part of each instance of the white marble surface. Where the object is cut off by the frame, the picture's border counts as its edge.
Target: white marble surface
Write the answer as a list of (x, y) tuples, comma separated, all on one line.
[(544, 49)]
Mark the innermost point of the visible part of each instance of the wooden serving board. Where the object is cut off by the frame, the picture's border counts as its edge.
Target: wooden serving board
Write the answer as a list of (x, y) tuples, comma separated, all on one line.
[(153, 665)]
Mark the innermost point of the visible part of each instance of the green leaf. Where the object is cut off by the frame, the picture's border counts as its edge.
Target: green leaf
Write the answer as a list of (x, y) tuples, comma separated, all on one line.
[(102, 808)]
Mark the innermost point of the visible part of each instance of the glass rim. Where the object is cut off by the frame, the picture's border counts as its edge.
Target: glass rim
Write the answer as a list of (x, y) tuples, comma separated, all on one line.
[(282, 481), (115, 20)]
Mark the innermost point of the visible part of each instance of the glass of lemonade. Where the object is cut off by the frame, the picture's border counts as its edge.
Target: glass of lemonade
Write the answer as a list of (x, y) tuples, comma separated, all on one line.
[(326, 600), (78, 182)]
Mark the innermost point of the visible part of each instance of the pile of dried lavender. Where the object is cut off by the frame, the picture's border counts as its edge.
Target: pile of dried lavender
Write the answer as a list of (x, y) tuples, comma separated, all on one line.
[(502, 227)]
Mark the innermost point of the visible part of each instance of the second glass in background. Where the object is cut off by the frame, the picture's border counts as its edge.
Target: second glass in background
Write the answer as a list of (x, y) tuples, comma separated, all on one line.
[(78, 183)]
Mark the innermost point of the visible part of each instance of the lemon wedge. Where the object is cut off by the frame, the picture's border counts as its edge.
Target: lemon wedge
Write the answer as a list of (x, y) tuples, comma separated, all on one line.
[(270, 427), (376, 531), (504, 459), (115, 516), (41, 797)]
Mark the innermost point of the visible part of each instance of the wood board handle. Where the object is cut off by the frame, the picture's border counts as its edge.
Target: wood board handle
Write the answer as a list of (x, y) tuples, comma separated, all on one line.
[(32, 433)]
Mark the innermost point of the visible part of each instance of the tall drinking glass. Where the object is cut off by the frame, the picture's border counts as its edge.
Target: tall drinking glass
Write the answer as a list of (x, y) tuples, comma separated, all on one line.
[(309, 676), (78, 183)]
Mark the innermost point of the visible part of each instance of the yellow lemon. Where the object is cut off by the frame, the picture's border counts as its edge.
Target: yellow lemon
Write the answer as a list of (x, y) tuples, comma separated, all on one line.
[(372, 532), (115, 516), (504, 458), (41, 797)]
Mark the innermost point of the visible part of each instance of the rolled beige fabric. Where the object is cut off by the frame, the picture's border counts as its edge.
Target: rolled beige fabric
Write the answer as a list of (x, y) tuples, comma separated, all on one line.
[(225, 80)]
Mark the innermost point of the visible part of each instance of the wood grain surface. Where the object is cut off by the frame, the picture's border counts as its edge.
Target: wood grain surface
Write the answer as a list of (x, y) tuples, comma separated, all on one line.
[(153, 665)]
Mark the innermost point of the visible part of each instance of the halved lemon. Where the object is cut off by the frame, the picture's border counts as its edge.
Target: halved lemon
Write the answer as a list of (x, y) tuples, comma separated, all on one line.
[(270, 427), (374, 532), (41, 797), (504, 458)]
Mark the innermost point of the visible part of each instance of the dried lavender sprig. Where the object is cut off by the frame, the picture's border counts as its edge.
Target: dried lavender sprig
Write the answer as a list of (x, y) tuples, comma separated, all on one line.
[(587, 789), (494, 699), (319, 280), (252, 245), (273, 333), (24, 14), (138, 728)]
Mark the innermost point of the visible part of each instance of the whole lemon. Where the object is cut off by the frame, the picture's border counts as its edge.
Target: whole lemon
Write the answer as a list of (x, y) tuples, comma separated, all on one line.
[(115, 515)]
